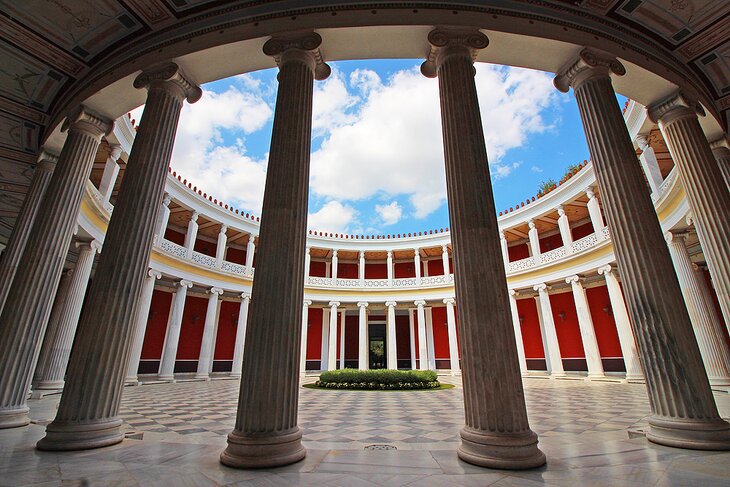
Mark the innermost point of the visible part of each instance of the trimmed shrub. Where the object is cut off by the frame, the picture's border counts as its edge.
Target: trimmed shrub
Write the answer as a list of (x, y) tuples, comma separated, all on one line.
[(385, 379)]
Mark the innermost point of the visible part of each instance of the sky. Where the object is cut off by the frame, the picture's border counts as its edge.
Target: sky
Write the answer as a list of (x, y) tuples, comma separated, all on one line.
[(377, 164)]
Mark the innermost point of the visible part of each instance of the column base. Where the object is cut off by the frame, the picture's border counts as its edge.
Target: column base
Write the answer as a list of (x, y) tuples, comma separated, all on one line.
[(41, 393), (236, 375), (720, 381), (131, 381), (693, 435), (263, 450), (81, 436), (56, 385), (166, 378), (14, 418), (202, 376), (504, 451)]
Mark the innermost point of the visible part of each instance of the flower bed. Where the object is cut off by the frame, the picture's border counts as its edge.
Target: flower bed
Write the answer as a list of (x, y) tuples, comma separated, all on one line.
[(378, 379)]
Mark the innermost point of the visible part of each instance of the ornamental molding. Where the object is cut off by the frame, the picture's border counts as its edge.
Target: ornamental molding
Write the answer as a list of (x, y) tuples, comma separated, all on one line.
[(302, 46), (452, 41), (86, 120), (588, 63), (677, 105), (168, 75)]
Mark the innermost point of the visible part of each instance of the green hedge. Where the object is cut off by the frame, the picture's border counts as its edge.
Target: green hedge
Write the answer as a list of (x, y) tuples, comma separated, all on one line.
[(378, 379)]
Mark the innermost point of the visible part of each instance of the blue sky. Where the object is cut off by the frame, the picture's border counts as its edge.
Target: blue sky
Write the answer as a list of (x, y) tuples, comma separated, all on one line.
[(377, 158)]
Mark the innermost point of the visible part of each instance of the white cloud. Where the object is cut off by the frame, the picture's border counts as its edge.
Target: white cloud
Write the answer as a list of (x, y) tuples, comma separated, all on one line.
[(332, 103), (391, 144), (390, 213), (500, 171), (332, 217), (536, 169)]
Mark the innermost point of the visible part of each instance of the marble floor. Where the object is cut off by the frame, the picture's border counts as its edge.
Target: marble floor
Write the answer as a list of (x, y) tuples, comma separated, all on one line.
[(176, 432)]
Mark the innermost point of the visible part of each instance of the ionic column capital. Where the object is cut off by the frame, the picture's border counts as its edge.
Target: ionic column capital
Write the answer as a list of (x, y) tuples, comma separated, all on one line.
[(560, 210), (675, 106), (247, 296), (334, 304), (449, 301), (606, 270), (307, 250), (334, 252), (589, 63), (215, 291), (362, 304), (115, 150), (183, 283), (531, 223), (154, 274), (444, 248), (46, 161), (170, 78), (420, 303), (721, 145), (86, 121), (194, 216), (675, 236), (590, 192), (362, 254), (452, 41), (224, 228), (416, 252), (574, 279), (390, 254), (93, 245), (391, 304), (307, 303), (167, 199), (642, 140), (299, 47), (541, 288)]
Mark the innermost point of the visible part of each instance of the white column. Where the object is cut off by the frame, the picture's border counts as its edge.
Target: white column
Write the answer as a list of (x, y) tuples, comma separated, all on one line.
[(713, 347), (721, 151), (305, 332), (623, 325), (390, 267), (708, 295), (250, 251), (594, 211), (552, 347), (362, 327), (505, 249), (143, 313), (412, 337), (425, 268), (429, 339), (361, 268), (307, 263), (564, 226), (220, 250), (422, 340), (111, 171), (172, 337), (417, 264), (324, 352), (191, 234), (453, 342), (334, 264), (205, 358), (342, 339), (518, 330), (649, 163), (392, 355), (587, 331), (162, 218), (332, 348), (445, 259), (534, 241), (240, 335)]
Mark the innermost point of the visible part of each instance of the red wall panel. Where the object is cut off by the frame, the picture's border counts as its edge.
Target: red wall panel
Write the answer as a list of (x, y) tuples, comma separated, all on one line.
[(207, 248), (175, 237), (568, 331), (376, 271), (404, 269), (440, 332), (402, 338), (436, 267), (551, 242), (603, 322), (314, 335), (154, 336), (317, 269), (518, 252), (582, 230), (191, 332), (237, 256), (530, 326), (225, 340), (351, 337), (347, 270)]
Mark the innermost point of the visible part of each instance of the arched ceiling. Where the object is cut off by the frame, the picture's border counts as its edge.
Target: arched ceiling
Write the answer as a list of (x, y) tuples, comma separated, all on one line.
[(55, 54)]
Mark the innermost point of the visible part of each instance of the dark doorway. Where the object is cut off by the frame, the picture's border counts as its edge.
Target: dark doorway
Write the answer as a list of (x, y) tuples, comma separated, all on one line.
[(376, 346)]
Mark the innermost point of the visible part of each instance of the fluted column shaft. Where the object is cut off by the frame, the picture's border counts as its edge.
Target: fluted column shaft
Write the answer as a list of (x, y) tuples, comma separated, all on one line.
[(332, 336), (703, 181), (497, 431), (342, 339), (422, 340), (392, 349), (172, 334), (362, 325), (240, 336), (708, 296), (29, 301), (88, 412), (632, 364), (587, 332), (266, 432), (453, 340), (683, 409), (111, 171), (140, 327), (56, 348), (713, 347), (305, 332), (207, 344), (24, 223), (518, 331), (722, 156), (412, 338), (552, 347)]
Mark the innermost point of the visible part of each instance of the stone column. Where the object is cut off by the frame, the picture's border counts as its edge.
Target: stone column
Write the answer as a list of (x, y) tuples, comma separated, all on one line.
[(88, 412), (111, 171), (362, 326), (30, 298), (192, 234), (250, 251), (56, 348), (505, 249), (266, 432), (722, 155), (534, 242), (334, 265), (24, 223), (332, 335), (163, 218), (497, 433), (708, 296), (207, 344), (220, 250), (172, 336), (649, 163), (307, 262), (623, 324), (392, 351), (389, 264), (342, 338), (683, 409), (361, 268), (564, 226), (713, 347), (417, 264), (324, 355), (594, 211), (552, 347), (453, 341), (445, 259), (422, 340), (425, 268), (305, 332), (587, 331), (517, 325), (140, 326), (240, 335), (707, 193)]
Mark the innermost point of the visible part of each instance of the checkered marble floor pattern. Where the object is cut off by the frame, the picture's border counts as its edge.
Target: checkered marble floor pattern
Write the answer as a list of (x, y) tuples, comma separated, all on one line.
[(410, 420)]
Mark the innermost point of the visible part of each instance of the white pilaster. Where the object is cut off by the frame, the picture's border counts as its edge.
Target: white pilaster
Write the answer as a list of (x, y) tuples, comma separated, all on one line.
[(172, 337), (445, 259), (143, 313), (594, 211), (392, 355), (250, 251), (324, 352), (417, 264), (429, 339), (505, 249), (332, 348), (207, 345), (335, 261), (422, 340), (534, 242), (361, 269), (305, 332), (518, 330), (342, 339), (564, 226), (453, 341), (649, 163), (390, 268), (412, 337), (307, 263), (587, 331), (163, 217), (220, 250), (111, 171), (552, 347), (362, 327), (240, 335), (192, 234)]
